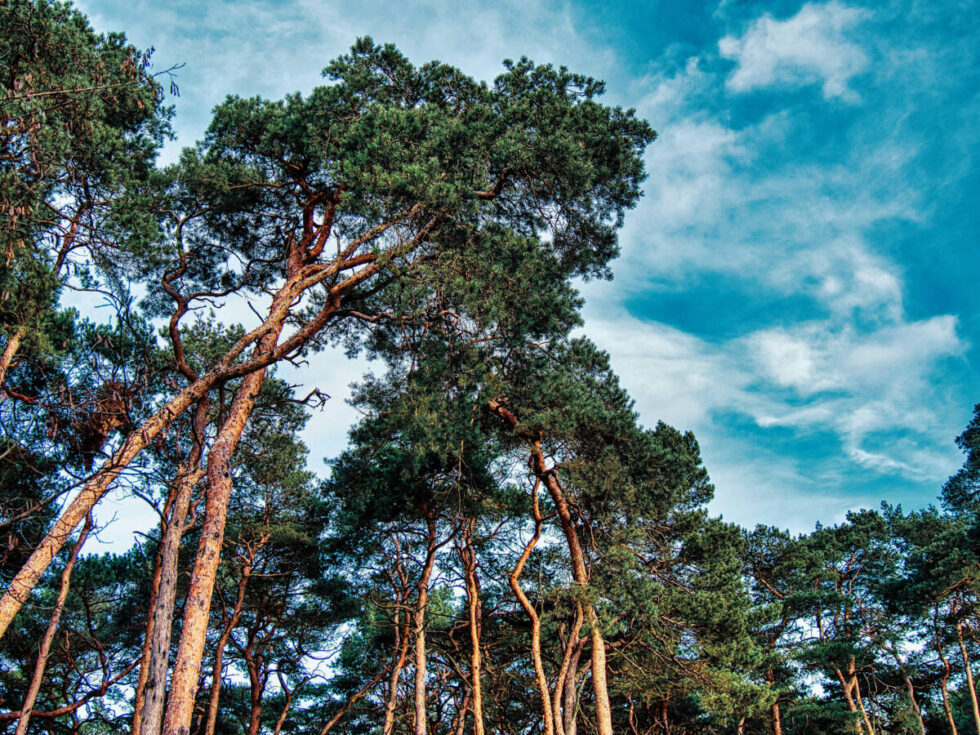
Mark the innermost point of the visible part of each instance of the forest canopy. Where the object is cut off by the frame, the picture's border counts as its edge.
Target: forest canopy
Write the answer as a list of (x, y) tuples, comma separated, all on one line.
[(502, 546)]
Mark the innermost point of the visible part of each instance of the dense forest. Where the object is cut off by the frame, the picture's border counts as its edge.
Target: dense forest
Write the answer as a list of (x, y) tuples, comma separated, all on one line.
[(502, 547)]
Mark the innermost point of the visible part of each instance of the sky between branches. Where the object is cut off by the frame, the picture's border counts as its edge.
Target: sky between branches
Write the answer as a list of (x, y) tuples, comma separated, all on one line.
[(799, 284)]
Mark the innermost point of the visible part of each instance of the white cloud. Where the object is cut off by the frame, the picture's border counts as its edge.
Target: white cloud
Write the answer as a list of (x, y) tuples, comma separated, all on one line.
[(811, 47)]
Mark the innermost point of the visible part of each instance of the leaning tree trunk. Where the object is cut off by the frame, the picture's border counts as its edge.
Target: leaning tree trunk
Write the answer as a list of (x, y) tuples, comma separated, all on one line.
[(298, 282), (219, 652), (163, 611), (13, 344), (197, 608), (42, 657)]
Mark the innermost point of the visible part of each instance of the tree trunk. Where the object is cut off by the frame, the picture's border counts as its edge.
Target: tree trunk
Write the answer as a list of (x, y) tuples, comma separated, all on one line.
[(396, 671), (256, 690), (350, 702), (515, 585), (908, 686), (139, 698), (187, 667), (219, 652), (42, 657), (468, 555), (13, 344), (570, 704), (847, 686), (151, 716), (27, 578), (581, 577), (419, 624), (943, 683), (969, 676), (579, 572), (857, 696), (775, 719), (572, 646)]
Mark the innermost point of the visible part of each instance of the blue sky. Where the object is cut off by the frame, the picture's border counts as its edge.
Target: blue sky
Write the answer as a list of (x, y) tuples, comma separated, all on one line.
[(798, 285)]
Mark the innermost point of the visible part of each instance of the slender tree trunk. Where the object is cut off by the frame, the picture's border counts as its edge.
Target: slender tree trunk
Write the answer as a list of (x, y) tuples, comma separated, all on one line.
[(572, 646), (474, 606), (396, 671), (163, 611), (860, 700), (139, 698), (579, 572), (350, 702), (570, 704), (943, 684), (256, 690), (847, 686), (286, 707), (42, 657), (741, 726), (969, 676), (421, 723), (908, 686), (515, 585), (187, 667), (13, 344), (219, 651), (459, 719)]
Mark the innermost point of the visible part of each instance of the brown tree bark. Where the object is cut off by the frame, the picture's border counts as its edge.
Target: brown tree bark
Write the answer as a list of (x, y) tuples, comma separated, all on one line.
[(350, 702), (943, 682), (219, 651), (42, 657), (579, 572), (163, 611), (775, 719), (421, 722), (187, 667), (139, 698), (515, 585), (847, 686), (400, 650), (569, 665), (301, 277), (9, 350), (968, 670), (474, 606)]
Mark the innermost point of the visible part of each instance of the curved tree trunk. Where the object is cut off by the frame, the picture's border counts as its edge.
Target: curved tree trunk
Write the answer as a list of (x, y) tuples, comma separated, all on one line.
[(579, 572), (266, 353), (515, 585)]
